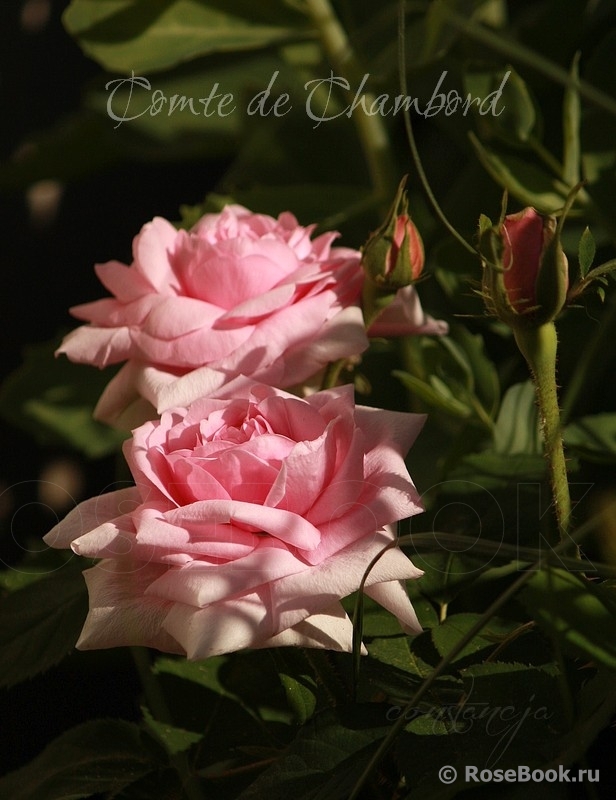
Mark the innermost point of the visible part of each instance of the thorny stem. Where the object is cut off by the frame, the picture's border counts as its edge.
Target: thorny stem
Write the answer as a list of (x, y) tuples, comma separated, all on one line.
[(371, 130), (539, 347)]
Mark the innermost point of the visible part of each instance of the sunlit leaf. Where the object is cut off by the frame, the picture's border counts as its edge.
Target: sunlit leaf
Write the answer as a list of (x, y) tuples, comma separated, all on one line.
[(574, 611), (517, 425), (149, 35)]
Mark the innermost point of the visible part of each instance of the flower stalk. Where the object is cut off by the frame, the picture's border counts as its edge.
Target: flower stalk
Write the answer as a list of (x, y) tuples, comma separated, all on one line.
[(539, 345)]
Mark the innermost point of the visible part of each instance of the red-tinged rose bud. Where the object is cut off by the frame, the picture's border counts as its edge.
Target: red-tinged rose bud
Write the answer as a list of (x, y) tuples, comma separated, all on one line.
[(393, 256), (525, 271)]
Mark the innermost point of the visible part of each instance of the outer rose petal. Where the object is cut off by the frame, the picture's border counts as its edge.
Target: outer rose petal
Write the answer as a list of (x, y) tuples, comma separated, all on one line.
[(120, 614), (91, 514), (331, 630), (406, 317)]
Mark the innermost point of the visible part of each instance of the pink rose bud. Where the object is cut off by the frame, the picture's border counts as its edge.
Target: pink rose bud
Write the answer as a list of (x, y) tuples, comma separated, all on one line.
[(525, 275), (393, 256)]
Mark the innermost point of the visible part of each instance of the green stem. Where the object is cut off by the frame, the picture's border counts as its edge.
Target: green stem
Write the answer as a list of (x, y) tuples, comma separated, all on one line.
[(539, 346), (157, 704), (371, 130)]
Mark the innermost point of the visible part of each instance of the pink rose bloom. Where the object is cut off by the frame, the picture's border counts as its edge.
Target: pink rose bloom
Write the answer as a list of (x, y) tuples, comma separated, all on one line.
[(240, 293), (251, 519)]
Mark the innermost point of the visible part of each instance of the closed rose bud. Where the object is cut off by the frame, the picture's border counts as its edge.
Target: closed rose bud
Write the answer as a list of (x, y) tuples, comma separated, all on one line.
[(393, 256), (525, 275)]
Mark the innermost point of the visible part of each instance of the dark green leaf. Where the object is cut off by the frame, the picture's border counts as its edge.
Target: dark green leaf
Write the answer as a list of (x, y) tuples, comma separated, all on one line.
[(586, 251), (518, 120), (298, 682), (40, 624), (447, 573), (174, 739), (327, 757), (593, 437), (524, 181), (485, 376), (503, 715), (102, 756), (148, 35), (446, 635), (579, 615), (53, 400), (499, 467)]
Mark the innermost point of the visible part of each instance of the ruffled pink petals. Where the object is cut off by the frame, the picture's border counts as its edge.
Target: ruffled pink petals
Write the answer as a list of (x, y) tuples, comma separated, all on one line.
[(239, 294), (283, 525)]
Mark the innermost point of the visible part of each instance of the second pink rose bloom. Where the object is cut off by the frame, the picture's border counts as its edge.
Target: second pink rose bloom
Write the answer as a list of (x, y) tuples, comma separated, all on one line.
[(251, 519), (238, 294)]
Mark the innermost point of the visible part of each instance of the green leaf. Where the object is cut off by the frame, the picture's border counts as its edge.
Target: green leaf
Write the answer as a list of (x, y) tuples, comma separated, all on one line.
[(446, 635), (518, 119), (174, 739), (203, 673), (485, 375), (574, 611), (201, 106), (439, 35), (437, 395), (477, 467), (502, 715), (447, 574), (517, 425), (593, 438), (102, 756), (327, 757), (297, 681), (301, 695), (586, 251), (53, 400), (40, 624), (148, 35), (524, 181)]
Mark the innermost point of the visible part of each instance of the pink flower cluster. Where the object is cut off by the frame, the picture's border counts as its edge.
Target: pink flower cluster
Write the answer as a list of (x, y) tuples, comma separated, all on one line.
[(255, 511)]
